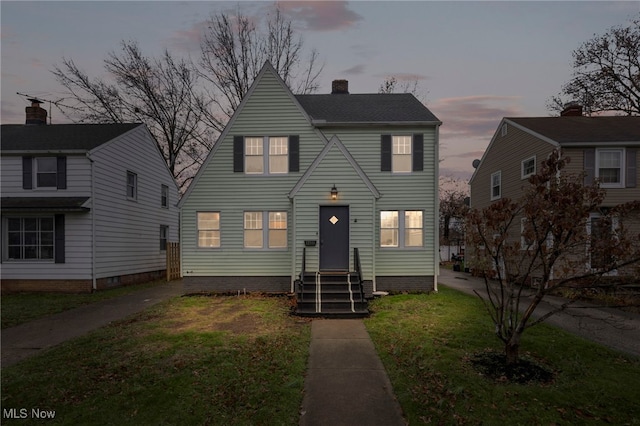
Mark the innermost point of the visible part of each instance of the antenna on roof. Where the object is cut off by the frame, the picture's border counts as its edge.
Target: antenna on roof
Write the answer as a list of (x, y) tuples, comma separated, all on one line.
[(32, 99)]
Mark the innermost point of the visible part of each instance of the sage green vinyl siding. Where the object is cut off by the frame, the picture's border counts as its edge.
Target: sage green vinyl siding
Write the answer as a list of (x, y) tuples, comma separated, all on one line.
[(411, 191), (335, 169), (269, 111)]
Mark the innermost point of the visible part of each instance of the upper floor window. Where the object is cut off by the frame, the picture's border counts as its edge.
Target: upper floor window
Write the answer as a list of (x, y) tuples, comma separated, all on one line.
[(402, 153), (266, 155), (265, 226), (132, 186), (528, 167), (164, 196), (208, 229), (496, 185), (44, 172), (609, 167), (400, 228)]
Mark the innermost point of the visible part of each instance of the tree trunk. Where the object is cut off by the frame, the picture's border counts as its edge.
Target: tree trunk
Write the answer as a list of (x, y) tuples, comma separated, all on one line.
[(512, 350)]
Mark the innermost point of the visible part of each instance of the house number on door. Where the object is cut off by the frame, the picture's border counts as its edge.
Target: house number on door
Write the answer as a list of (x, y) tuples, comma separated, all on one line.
[(333, 220)]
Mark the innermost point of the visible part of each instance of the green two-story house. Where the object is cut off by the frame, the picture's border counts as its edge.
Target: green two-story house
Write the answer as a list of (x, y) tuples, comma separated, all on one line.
[(304, 191)]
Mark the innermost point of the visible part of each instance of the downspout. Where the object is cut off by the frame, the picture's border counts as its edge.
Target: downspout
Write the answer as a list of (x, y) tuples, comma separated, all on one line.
[(293, 244), (436, 218), (94, 284), (373, 244)]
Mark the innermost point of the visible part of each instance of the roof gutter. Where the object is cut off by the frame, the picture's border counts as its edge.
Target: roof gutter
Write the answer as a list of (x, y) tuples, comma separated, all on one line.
[(324, 123)]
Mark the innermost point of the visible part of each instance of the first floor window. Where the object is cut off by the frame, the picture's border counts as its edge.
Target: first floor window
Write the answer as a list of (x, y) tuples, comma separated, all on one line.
[(496, 185), (401, 228), (261, 227), (601, 234), (132, 186), (30, 238), (208, 229), (164, 237)]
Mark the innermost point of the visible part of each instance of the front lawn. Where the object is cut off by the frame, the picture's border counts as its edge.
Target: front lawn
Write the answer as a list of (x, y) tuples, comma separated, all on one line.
[(427, 342), (18, 308), (189, 360)]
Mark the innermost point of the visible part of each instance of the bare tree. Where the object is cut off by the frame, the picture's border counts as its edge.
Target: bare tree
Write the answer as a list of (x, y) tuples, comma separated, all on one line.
[(234, 48), (606, 73), (158, 92), (549, 238), (395, 84), (454, 194)]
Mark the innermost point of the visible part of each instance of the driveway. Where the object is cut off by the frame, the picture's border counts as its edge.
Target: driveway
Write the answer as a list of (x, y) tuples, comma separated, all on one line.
[(611, 327)]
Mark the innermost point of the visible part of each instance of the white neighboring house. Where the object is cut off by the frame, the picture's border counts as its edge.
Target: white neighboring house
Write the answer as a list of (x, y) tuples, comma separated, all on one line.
[(84, 206)]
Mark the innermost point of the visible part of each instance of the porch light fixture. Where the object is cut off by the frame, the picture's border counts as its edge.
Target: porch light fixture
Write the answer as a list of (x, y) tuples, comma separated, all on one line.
[(334, 192)]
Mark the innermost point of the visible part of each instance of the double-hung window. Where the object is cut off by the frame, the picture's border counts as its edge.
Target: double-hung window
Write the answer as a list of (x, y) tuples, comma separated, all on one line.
[(30, 238), (132, 186), (266, 155), (164, 237), (265, 230), (164, 196), (609, 167), (254, 155), (528, 167), (496, 185), (44, 172), (401, 228), (401, 154), (278, 155), (208, 229)]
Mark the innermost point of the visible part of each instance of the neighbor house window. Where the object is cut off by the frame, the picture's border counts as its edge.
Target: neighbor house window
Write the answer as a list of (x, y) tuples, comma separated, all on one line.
[(401, 228), (528, 167), (527, 236), (601, 235), (401, 154), (208, 229), (261, 227), (496, 185), (609, 167), (46, 171), (164, 196), (30, 238), (164, 237), (132, 186)]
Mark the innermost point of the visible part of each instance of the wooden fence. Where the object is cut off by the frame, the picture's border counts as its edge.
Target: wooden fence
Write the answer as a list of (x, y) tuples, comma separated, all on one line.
[(173, 261)]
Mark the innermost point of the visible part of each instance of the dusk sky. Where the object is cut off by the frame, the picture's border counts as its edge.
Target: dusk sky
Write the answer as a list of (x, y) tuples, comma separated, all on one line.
[(476, 61)]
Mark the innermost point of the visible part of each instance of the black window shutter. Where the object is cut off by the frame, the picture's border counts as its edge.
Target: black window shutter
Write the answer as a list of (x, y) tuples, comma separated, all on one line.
[(59, 238), (294, 153), (632, 168), (418, 152), (238, 154), (385, 153), (62, 172), (27, 172), (589, 166)]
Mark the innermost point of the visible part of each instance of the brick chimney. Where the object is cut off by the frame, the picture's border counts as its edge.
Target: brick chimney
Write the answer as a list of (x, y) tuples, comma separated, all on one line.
[(572, 109), (340, 87), (36, 114)]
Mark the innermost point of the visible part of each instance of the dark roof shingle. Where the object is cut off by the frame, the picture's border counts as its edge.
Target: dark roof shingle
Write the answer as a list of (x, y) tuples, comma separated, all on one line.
[(573, 130), (366, 108), (20, 137)]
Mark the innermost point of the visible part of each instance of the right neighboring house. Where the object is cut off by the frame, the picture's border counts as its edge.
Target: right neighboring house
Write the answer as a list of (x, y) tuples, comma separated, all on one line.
[(603, 148)]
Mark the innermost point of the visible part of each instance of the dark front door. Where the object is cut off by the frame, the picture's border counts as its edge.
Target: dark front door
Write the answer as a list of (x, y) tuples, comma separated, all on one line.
[(334, 238)]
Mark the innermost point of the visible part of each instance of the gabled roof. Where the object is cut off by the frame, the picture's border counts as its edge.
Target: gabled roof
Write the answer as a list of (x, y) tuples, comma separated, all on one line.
[(393, 108), (335, 141), (59, 137), (568, 131)]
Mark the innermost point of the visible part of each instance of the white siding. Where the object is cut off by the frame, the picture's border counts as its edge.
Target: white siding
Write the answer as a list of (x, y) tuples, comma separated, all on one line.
[(127, 232)]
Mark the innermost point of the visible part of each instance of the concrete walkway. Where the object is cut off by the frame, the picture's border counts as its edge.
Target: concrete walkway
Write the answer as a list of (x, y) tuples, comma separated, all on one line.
[(346, 383), (610, 327), (27, 339)]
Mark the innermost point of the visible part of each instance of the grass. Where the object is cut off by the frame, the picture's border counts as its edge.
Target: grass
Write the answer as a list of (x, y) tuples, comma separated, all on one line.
[(190, 360), (242, 360), (19, 308), (426, 343)]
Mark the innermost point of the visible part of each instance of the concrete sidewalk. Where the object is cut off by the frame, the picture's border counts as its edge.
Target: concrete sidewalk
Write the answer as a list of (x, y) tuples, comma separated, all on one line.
[(27, 339), (611, 327), (346, 383)]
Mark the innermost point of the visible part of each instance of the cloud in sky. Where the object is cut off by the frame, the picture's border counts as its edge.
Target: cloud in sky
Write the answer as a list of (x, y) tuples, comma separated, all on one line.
[(354, 70), (321, 15)]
